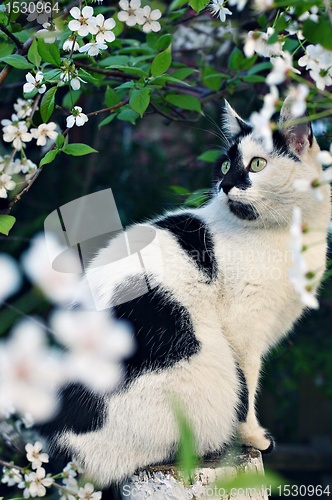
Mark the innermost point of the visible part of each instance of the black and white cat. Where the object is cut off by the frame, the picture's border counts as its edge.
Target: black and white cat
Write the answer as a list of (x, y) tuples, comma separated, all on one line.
[(220, 299)]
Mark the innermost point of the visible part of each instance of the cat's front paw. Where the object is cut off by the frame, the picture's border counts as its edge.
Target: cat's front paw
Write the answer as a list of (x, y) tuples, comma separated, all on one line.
[(257, 437)]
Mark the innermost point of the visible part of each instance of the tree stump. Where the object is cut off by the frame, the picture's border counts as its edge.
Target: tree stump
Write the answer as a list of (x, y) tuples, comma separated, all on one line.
[(163, 482)]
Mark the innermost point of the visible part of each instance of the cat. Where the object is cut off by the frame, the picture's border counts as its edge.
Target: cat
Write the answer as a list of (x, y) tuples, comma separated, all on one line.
[(215, 303)]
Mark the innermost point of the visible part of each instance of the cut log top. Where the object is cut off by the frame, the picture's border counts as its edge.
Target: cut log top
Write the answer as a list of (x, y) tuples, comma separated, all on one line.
[(163, 482)]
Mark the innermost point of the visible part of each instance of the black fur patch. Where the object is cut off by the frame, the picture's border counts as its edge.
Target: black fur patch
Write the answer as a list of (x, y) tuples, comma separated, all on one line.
[(242, 409), (194, 238), (281, 147), (162, 329), (80, 411), (237, 176), (243, 210)]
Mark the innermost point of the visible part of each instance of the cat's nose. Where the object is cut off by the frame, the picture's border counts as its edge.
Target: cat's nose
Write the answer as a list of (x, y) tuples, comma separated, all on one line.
[(226, 186)]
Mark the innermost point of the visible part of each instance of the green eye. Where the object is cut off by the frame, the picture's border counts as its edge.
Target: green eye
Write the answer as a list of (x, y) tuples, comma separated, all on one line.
[(226, 165), (257, 164)]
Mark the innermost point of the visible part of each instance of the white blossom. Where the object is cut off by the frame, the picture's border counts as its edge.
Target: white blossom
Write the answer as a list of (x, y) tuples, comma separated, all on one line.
[(10, 276), (84, 22), (300, 277), (23, 108), (59, 287), (131, 13), (6, 184), (34, 455), (71, 485), (44, 131), (76, 118), (217, 8), (88, 493), (325, 157), (298, 97), (240, 4), (68, 44), (49, 34), (318, 61), (311, 14), (313, 186), (34, 83), (11, 477), (15, 131), (282, 66), (38, 482), (149, 19), (93, 48), (95, 346), (30, 372), (40, 17), (105, 26), (263, 5), (261, 121), (256, 42)]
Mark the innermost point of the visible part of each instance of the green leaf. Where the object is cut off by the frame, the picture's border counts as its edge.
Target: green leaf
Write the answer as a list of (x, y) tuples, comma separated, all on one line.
[(186, 454), (254, 79), (52, 75), (111, 97), (47, 104), (176, 4), (87, 77), (139, 100), (210, 156), (211, 78), (49, 157), (164, 42), (319, 32), (6, 50), (198, 5), (59, 141), (183, 73), (33, 54), (184, 101), (128, 115), (107, 120), (196, 199), (161, 62), (130, 70), (78, 149), (109, 61), (17, 61), (49, 52), (237, 61), (6, 223)]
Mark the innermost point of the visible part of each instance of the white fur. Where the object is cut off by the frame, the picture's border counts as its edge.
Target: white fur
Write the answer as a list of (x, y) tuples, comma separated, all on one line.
[(240, 316)]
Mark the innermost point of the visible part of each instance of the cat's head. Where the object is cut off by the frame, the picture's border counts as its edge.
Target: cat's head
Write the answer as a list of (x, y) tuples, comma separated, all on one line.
[(257, 184)]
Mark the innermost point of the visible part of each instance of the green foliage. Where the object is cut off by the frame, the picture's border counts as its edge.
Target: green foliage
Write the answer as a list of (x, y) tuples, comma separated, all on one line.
[(78, 149), (6, 223), (47, 104)]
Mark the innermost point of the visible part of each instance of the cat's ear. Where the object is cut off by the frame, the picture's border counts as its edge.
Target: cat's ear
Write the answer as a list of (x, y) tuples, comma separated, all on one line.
[(232, 123), (299, 136)]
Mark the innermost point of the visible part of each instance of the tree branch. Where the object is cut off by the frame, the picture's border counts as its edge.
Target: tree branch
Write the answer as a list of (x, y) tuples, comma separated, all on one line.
[(10, 35)]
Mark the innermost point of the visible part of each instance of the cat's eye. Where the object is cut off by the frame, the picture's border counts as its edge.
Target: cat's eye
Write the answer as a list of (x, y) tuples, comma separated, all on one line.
[(257, 164), (226, 165)]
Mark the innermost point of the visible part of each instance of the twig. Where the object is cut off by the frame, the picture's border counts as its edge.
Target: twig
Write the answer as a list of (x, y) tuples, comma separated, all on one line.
[(108, 72), (110, 110), (10, 35), (6, 70)]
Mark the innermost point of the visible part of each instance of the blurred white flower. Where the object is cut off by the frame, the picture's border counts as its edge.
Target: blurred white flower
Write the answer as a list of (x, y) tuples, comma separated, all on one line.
[(263, 5), (6, 184), (84, 22), (261, 121), (23, 107), (217, 8), (77, 117), (40, 17), (89, 493), (325, 157), (35, 456), (96, 345), (37, 482), (149, 19), (68, 44), (105, 26), (49, 34), (11, 477), (131, 12), (37, 261), (30, 372), (300, 277), (282, 66), (44, 131), (240, 4), (71, 485), (15, 131), (93, 48), (311, 14), (313, 186), (256, 42), (27, 166), (298, 96), (34, 83), (318, 61)]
